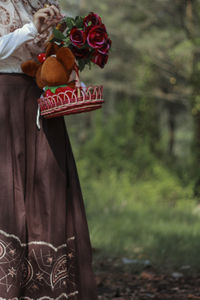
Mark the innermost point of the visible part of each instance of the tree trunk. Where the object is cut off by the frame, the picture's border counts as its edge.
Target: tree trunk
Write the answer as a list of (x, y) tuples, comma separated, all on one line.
[(171, 126), (196, 93)]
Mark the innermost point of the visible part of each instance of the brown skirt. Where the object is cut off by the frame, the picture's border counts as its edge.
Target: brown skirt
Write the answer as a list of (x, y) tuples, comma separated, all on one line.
[(45, 250)]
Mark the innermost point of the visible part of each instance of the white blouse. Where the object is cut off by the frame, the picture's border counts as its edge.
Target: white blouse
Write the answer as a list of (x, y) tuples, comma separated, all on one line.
[(13, 49)]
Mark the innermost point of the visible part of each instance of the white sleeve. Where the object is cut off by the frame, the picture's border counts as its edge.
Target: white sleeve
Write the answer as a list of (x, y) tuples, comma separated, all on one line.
[(10, 42)]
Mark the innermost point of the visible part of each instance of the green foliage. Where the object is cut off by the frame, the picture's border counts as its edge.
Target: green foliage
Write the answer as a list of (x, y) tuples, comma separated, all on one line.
[(150, 66), (118, 142), (136, 157), (156, 219)]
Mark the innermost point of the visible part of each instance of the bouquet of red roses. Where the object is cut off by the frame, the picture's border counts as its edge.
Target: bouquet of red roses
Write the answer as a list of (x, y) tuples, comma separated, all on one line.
[(87, 38)]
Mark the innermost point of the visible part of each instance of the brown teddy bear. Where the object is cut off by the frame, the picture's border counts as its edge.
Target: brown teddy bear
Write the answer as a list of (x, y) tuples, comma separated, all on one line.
[(56, 67)]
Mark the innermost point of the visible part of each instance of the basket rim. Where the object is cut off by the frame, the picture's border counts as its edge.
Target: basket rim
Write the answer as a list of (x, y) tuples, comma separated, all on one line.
[(71, 111), (77, 100), (74, 106)]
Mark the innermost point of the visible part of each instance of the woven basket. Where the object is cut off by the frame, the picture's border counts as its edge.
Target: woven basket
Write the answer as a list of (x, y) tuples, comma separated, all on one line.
[(78, 100)]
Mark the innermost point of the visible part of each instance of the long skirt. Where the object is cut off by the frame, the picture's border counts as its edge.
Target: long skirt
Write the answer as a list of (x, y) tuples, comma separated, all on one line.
[(45, 250)]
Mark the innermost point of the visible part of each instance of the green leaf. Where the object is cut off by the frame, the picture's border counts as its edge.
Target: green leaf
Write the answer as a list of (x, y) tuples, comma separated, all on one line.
[(79, 22), (67, 39), (67, 43), (58, 34), (70, 22)]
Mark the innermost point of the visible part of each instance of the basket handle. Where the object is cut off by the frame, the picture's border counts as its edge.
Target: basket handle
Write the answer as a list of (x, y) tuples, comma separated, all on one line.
[(77, 79)]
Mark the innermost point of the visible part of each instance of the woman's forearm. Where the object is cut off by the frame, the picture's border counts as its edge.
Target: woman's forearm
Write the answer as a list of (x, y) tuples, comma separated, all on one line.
[(10, 42)]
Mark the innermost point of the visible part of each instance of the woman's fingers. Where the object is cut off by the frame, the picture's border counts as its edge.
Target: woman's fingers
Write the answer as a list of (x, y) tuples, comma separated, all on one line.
[(56, 11), (39, 19), (51, 22), (52, 11), (42, 16), (47, 25), (46, 17), (48, 11)]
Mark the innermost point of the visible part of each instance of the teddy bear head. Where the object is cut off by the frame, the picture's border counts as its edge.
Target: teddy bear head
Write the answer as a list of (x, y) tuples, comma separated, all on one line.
[(56, 68)]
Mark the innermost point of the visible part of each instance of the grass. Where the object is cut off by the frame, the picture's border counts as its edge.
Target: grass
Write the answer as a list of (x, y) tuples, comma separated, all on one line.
[(156, 219)]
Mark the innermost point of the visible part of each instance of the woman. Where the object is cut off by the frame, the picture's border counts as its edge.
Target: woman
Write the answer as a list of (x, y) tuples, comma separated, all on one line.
[(45, 251)]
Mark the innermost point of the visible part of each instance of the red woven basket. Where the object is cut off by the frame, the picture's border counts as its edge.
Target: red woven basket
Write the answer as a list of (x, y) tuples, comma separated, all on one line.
[(78, 100)]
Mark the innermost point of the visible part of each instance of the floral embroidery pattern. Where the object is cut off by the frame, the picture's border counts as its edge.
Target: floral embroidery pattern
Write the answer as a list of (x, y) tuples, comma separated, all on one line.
[(37, 269), (4, 16)]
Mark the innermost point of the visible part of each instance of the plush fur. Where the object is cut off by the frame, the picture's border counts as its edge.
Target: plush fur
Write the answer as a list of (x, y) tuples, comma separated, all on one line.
[(54, 70)]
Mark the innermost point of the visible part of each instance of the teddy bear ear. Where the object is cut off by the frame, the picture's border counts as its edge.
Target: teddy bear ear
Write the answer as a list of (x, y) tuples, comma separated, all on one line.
[(30, 68), (51, 49), (66, 57)]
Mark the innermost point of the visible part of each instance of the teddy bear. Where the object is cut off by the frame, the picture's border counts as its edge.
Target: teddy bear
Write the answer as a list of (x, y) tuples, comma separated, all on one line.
[(55, 69), (57, 73)]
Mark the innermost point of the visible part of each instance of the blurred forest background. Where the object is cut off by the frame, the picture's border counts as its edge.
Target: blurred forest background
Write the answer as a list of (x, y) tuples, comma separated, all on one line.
[(138, 157)]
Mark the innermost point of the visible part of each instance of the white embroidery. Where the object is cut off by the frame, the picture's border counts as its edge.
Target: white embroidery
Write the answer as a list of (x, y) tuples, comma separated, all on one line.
[(37, 266), (35, 242), (45, 297)]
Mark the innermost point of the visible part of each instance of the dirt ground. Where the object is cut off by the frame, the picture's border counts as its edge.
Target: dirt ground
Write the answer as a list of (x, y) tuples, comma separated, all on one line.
[(118, 281)]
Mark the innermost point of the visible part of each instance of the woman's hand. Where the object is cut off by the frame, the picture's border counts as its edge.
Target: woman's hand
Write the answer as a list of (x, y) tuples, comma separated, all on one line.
[(46, 17)]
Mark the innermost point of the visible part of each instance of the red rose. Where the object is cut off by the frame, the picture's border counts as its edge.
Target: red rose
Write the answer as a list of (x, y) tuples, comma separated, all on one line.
[(77, 37), (100, 59), (97, 36), (106, 47), (91, 20), (80, 53)]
